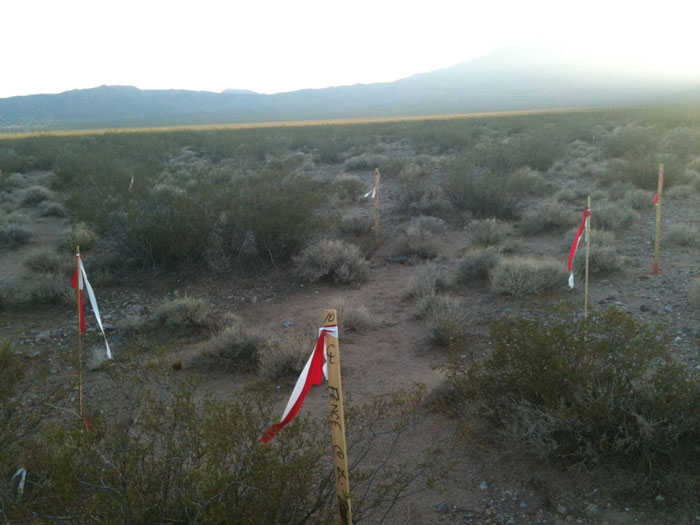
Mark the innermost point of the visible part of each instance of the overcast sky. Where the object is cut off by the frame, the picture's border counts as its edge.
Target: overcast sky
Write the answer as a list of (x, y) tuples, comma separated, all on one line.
[(273, 46)]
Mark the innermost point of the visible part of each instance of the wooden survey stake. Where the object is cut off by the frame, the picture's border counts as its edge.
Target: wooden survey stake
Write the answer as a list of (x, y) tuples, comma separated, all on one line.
[(588, 252), (376, 208), (79, 350), (660, 187), (335, 395)]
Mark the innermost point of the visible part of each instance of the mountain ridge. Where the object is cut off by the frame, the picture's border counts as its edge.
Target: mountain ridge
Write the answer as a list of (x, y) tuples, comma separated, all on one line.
[(515, 79)]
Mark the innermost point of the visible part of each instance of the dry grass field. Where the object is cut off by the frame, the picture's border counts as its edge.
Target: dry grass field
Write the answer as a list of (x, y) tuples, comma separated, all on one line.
[(477, 391)]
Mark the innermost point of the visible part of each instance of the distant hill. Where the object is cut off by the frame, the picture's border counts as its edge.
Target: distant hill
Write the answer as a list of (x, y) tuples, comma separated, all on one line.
[(517, 78)]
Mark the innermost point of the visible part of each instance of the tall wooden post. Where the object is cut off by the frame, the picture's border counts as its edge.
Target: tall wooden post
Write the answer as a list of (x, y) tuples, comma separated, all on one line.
[(335, 395), (78, 300), (376, 207), (657, 237), (588, 252)]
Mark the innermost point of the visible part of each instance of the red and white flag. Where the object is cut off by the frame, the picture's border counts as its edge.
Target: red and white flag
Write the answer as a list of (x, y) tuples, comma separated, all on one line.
[(577, 240), (655, 200), (80, 282), (312, 374)]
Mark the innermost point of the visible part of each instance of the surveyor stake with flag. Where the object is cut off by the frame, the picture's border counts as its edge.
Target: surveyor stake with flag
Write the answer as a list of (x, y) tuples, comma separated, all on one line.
[(583, 226), (312, 374), (80, 282)]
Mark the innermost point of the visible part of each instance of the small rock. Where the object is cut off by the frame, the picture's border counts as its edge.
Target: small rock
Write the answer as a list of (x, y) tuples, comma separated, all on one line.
[(644, 308), (659, 500), (483, 485), (523, 505), (592, 509), (561, 509), (591, 494), (53, 371), (442, 508)]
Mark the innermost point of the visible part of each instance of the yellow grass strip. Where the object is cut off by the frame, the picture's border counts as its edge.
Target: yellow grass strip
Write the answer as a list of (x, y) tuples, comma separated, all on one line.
[(303, 123)]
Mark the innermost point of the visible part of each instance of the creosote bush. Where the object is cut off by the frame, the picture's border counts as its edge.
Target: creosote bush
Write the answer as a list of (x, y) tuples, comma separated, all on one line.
[(172, 455), (46, 260), (48, 288), (607, 215), (489, 232), (527, 276), (356, 320), (36, 194), (9, 292), (52, 209), (285, 355), (427, 280), (603, 260), (476, 265), (418, 238), (14, 234), (680, 234), (184, 312), (485, 188), (547, 216), (447, 320), (348, 187), (338, 260), (694, 292), (79, 235), (238, 343), (598, 390)]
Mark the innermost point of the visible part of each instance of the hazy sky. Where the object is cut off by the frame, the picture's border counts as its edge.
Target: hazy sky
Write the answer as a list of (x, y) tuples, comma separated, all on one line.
[(272, 46)]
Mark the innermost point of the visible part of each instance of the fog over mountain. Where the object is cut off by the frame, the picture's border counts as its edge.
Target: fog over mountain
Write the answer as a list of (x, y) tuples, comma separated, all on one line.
[(526, 77)]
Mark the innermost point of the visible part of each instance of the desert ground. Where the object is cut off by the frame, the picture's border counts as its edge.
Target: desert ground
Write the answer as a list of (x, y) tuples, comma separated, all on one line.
[(267, 296)]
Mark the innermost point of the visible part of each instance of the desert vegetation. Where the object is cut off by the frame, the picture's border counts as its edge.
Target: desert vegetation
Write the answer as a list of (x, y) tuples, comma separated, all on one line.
[(212, 270)]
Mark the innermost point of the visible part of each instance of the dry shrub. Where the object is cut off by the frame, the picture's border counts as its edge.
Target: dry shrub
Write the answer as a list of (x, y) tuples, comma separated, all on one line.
[(49, 289), (527, 276), (447, 319), (13, 234), (36, 194), (52, 209), (285, 355), (356, 226), (608, 215), (679, 192), (348, 187), (571, 195), (476, 265), (489, 232), (694, 292), (427, 280), (338, 260), (237, 342), (680, 234), (46, 260), (587, 391), (132, 323), (547, 216), (356, 320), (598, 238), (637, 199), (603, 260), (79, 235), (418, 238), (184, 312), (15, 180), (9, 292)]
